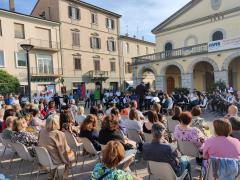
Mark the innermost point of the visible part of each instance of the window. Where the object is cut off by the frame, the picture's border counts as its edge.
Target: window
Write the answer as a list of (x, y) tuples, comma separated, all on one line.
[(21, 59), (94, 18), (1, 59), (95, 43), (110, 23), (146, 50), (97, 65), (113, 66), (19, 31), (73, 13), (0, 28), (45, 64), (218, 35), (111, 45), (168, 46), (138, 50), (77, 63), (128, 67), (127, 48), (75, 38)]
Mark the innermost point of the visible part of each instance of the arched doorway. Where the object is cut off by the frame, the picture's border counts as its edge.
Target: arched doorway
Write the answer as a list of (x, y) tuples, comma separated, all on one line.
[(203, 76), (234, 74), (173, 78), (148, 77)]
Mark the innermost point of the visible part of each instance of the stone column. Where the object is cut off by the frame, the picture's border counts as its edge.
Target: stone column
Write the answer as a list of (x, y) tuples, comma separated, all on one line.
[(160, 82), (187, 80), (221, 75)]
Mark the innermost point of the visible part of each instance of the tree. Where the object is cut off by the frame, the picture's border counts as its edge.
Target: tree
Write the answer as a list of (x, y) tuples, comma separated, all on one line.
[(8, 83)]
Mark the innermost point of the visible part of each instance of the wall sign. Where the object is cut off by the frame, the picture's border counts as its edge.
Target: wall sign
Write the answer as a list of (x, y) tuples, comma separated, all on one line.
[(224, 44)]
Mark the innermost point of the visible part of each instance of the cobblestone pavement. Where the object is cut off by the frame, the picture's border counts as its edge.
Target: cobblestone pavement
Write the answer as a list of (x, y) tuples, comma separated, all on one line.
[(79, 172)]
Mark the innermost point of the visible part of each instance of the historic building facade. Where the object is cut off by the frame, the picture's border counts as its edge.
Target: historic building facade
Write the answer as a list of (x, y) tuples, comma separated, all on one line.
[(45, 59), (89, 42), (131, 47), (196, 46)]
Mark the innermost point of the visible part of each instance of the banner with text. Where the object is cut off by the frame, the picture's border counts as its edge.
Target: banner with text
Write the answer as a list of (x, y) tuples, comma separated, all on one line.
[(224, 44)]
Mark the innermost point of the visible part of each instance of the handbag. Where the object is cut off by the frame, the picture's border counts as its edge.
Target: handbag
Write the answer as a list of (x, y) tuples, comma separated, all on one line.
[(69, 155)]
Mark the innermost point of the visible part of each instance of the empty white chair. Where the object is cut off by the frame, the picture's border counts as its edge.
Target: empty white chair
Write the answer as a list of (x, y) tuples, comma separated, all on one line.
[(163, 171), (24, 154), (148, 137), (134, 136), (88, 146), (46, 161), (171, 124), (188, 148), (73, 143)]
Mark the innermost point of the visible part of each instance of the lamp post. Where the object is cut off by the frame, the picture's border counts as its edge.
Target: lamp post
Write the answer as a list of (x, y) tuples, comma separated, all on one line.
[(27, 48)]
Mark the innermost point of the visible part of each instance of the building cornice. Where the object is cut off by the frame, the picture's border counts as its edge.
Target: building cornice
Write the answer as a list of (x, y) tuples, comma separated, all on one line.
[(28, 16), (122, 37), (199, 20)]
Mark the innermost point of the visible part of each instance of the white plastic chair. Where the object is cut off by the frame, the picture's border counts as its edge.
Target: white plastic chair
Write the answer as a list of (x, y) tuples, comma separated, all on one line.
[(188, 148), (7, 145), (148, 137), (46, 161), (24, 154), (74, 144), (163, 171), (210, 176), (134, 136), (171, 124), (89, 148)]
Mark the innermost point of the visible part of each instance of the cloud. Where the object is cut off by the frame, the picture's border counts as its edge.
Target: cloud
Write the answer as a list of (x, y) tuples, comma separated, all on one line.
[(139, 17)]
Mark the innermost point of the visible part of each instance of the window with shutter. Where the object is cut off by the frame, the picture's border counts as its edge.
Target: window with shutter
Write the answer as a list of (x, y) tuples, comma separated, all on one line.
[(94, 18), (75, 38), (77, 63), (19, 31), (110, 23), (97, 65), (0, 28), (95, 43), (73, 13), (113, 66), (111, 45)]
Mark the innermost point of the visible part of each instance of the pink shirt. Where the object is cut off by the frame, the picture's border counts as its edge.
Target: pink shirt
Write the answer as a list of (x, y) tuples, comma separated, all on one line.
[(221, 146)]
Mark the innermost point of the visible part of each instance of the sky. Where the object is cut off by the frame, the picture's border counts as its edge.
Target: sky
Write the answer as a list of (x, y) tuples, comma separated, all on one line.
[(139, 17)]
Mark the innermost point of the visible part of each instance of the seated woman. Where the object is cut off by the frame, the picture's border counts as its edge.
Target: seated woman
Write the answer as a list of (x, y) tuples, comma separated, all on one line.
[(37, 123), (80, 116), (152, 118), (22, 136), (111, 131), (134, 121), (235, 122), (113, 154), (56, 144), (177, 111), (157, 107), (199, 122), (8, 132), (89, 130), (185, 132), (222, 145), (67, 123)]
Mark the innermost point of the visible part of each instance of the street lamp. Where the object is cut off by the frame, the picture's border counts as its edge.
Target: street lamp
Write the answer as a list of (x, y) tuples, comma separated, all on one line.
[(27, 48)]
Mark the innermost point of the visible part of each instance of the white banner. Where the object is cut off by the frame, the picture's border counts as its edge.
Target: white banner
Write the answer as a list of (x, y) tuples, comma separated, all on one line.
[(224, 44)]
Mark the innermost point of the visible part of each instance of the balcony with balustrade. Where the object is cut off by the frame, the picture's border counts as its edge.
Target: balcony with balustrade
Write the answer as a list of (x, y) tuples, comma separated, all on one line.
[(40, 44), (173, 54), (45, 74), (98, 75)]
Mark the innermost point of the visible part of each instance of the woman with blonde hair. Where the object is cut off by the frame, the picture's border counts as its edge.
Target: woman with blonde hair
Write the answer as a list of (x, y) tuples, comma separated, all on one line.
[(80, 116), (56, 144), (113, 154)]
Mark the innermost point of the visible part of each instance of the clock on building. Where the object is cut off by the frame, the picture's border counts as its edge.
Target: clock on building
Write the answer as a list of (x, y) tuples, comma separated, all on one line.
[(216, 4)]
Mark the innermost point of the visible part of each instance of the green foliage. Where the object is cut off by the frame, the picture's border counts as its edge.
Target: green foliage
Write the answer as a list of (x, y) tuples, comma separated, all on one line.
[(8, 83), (181, 90), (219, 85)]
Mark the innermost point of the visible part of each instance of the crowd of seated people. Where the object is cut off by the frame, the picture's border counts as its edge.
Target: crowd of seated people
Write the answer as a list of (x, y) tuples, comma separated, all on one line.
[(45, 125)]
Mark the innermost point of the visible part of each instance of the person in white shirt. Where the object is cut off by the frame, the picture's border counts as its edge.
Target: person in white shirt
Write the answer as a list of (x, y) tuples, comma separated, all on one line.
[(108, 111), (73, 107), (80, 116), (134, 122)]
